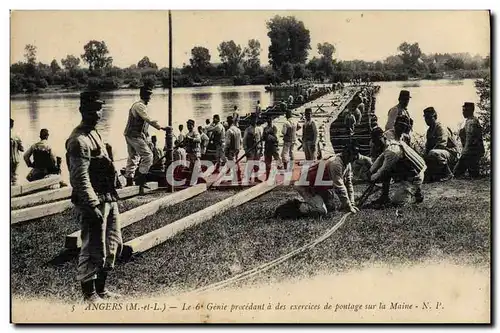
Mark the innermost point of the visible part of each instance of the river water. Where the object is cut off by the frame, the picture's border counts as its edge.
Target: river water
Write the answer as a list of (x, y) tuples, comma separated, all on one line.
[(58, 112)]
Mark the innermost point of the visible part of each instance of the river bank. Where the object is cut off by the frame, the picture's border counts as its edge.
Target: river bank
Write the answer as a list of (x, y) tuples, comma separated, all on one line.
[(185, 81)]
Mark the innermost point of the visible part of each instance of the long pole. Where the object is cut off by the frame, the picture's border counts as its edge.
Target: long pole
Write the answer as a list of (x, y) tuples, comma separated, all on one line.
[(169, 131), (170, 69)]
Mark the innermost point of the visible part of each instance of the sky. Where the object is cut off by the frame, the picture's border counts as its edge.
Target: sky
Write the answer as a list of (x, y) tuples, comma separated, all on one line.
[(131, 35)]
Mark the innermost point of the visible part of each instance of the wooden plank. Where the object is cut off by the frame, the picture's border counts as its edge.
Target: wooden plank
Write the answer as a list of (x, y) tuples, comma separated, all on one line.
[(159, 236), (41, 197), (34, 186), (129, 217), (32, 213)]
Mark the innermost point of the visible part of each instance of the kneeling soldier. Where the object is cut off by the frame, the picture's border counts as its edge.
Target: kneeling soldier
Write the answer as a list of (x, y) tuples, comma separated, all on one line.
[(401, 163), (318, 199), (438, 155)]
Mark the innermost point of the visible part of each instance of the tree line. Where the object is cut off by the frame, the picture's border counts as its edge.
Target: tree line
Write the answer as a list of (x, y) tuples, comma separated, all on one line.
[(288, 55)]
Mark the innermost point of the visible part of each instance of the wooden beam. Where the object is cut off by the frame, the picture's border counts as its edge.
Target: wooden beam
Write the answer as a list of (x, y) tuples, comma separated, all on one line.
[(36, 212), (129, 217), (34, 186), (159, 236), (41, 197)]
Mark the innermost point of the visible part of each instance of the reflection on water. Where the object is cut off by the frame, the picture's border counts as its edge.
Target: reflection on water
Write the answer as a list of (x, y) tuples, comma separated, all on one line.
[(59, 111)]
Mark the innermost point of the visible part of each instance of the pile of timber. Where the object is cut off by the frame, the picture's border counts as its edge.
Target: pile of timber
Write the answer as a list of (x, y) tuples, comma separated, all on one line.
[(36, 200), (339, 132)]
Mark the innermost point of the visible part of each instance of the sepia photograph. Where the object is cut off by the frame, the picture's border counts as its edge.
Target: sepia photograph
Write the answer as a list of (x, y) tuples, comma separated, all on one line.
[(250, 166)]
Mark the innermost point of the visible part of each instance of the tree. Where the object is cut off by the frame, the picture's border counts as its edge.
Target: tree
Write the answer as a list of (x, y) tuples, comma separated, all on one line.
[(454, 63), (252, 54), (96, 55), (70, 62), (231, 55), (290, 41), (200, 59), (314, 64), (483, 89), (410, 55), (146, 63), (287, 71), (54, 66), (326, 50), (30, 53)]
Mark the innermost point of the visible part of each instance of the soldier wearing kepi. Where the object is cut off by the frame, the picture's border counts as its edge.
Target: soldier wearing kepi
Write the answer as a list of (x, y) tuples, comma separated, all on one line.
[(438, 155), (233, 143), (309, 136), (401, 163), (216, 134), (192, 142), (399, 110), (140, 156), (93, 179), (471, 137), (44, 161), (289, 130)]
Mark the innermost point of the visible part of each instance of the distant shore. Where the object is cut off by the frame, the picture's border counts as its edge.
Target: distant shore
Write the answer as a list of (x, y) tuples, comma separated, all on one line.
[(230, 82)]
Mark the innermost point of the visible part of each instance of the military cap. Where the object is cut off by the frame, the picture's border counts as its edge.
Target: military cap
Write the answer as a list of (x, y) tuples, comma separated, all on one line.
[(308, 110), (190, 121), (404, 94), (469, 105), (146, 90), (90, 100), (429, 111)]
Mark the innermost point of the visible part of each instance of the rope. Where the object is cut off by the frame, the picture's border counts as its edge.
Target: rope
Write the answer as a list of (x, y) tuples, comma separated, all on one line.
[(266, 266)]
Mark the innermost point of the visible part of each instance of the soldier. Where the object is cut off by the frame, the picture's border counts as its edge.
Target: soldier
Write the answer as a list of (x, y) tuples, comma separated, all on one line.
[(136, 134), (309, 136), (317, 198), (192, 142), (251, 141), (233, 140), (216, 134), (377, 143), (399, 110), (403, 165), (16, 146), (288, 131), (270, 139), (233, 143), (438, 155), (471, 137), (181, 136), (158, 160), (93, 179), (204, 141), (44, 161), (236, 113), (258, 109)]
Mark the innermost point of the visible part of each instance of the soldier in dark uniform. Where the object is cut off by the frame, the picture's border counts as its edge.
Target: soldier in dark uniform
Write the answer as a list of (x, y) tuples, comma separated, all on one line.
[(93, 178), (44, 161), (471, 137)]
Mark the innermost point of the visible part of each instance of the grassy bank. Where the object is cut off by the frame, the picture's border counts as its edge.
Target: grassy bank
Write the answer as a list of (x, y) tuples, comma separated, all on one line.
[(453, 223)]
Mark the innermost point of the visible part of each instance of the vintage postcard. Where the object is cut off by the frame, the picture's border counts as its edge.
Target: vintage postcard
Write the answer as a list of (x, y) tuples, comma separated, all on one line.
[(250, 166)]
